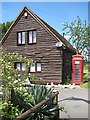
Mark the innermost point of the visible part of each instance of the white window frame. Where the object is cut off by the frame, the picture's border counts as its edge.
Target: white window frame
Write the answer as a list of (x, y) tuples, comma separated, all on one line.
[(21, 38), (32, 37), (38, 67), (32, 68)]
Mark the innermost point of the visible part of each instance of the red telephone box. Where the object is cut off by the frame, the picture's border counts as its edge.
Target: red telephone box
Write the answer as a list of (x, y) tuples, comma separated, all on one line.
[(77, 69)]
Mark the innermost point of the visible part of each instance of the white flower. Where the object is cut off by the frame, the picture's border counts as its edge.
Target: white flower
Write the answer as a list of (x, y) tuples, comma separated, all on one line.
[(29, 74), (9, 53), (1, 93), (19, 75), (5, 103), (25, 90), (9, 77), (9, 101), (19, 79), (16, 109), (2, 60), (9, 66), (16, 53), (13, 53), (28, 63), (15, 81), (11, 104), (16, 114), (20, 88), (26, 93), (14, 88)]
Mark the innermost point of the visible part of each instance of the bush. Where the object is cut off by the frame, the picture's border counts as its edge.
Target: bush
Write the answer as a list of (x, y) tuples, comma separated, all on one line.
[(85, 85), (9, 111)]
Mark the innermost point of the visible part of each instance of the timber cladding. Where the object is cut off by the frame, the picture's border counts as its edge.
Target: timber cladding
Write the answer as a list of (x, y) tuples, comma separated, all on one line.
[(44, 50)]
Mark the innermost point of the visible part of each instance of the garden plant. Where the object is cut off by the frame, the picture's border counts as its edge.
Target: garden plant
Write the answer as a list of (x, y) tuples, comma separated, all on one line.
[(16, 98)]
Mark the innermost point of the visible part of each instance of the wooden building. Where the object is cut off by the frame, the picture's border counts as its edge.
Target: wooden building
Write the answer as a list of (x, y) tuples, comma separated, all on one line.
[(32, 37)]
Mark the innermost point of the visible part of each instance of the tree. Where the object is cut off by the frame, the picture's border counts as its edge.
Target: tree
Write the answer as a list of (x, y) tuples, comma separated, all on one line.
[(78, 32), (4, 27)]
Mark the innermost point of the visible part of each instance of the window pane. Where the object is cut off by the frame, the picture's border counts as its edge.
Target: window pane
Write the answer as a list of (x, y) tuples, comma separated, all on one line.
[(32, 68), (38, 66), (23, 66), (19, 38), (23, 37), (34, 36), (30, 36), (18, 66)]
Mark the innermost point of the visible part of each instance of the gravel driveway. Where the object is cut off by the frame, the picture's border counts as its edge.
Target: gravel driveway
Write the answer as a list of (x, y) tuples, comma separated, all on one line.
[(75, 102)]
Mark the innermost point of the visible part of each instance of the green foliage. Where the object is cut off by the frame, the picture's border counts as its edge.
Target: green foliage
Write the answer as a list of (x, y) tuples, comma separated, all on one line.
[(21, 99), (11, 78), (4, 27), (85, 72), (68, 81), (41, 93), (86, 67), (78, 30), (9, 75), (85, 85), (27, 99), (85, 76), (10, 112)]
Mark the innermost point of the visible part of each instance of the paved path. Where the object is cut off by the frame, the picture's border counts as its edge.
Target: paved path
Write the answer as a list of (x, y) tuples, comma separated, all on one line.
[(75, 101)]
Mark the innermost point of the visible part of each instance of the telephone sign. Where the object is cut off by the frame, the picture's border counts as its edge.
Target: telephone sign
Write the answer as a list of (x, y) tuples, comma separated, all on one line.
[(77, 69)]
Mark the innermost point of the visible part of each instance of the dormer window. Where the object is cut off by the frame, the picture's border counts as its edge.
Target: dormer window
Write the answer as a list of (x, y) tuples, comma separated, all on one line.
[(21, 38), (31, 37)]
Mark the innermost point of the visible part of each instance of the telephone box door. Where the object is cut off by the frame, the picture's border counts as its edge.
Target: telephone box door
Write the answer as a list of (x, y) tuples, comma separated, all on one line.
[(77, 69)]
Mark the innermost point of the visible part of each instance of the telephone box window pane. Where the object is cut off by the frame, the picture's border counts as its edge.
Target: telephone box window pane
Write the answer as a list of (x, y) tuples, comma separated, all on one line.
[(32, 68), (23, 66), (34, 36), (18, 66), (30, 36), (23, 37), (38, 66), (19, 38)]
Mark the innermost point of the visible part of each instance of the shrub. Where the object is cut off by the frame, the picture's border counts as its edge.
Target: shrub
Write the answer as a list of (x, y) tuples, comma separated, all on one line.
[(9, 111)]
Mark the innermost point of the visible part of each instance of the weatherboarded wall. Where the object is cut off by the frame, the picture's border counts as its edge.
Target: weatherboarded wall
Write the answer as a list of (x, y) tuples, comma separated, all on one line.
[(44, 51)]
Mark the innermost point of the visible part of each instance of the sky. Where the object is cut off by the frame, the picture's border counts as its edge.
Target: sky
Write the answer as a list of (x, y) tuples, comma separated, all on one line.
[(54, 13)]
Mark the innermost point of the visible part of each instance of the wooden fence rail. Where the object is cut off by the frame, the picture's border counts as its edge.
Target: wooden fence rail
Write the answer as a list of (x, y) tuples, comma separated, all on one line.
[(28, 112)]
